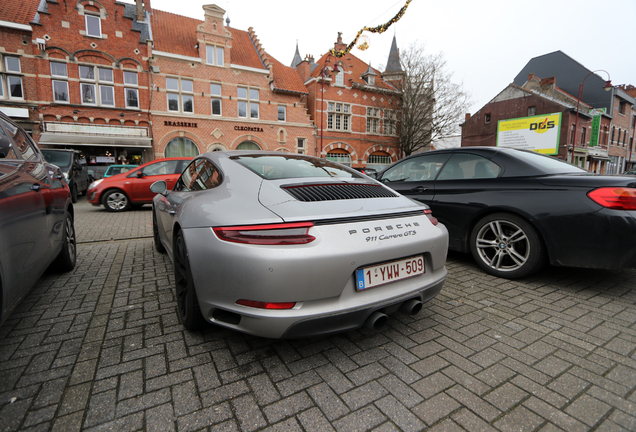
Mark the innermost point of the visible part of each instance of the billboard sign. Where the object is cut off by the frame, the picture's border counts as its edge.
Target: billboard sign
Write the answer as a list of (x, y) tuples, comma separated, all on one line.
[(537, 133)]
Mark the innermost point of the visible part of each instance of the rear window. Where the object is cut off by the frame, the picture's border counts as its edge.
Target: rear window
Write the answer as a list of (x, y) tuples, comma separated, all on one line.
[(273, 167), (63, 159)]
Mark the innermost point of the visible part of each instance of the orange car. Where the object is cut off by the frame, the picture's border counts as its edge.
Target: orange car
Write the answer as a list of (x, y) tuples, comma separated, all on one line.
[(132, 188)]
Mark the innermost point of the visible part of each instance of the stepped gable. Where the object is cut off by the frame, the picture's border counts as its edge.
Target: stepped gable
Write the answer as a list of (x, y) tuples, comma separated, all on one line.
[(19, 12), (245, 49)]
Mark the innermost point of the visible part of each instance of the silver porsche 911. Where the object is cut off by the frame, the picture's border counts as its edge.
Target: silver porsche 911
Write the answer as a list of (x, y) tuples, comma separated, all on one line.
[(287, 246)]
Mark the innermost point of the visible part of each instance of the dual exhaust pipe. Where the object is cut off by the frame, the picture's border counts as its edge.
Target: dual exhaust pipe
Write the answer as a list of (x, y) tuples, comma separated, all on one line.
[(377, 319)]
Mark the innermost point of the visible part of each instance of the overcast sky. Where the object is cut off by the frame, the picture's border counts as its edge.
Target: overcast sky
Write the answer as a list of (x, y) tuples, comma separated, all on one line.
[(486, 43)]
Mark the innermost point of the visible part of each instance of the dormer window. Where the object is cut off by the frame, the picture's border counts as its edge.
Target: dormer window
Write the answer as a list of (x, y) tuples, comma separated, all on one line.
[(369, 79), (214, 55), (93, 26)]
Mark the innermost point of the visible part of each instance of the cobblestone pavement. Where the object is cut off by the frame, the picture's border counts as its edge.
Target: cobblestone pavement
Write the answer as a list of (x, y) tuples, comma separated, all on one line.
[(101, 348)]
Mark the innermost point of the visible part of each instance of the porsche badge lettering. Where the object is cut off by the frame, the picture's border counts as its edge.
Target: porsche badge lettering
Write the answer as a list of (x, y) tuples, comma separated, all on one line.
[(388, 232)]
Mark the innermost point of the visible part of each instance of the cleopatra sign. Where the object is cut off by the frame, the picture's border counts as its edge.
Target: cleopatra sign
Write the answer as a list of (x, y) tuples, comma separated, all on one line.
[(537, 133)]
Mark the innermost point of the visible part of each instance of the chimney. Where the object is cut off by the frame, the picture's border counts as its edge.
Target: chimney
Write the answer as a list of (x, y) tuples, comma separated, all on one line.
[(548, 81), (467, 117), (531, 76), (140, 10)]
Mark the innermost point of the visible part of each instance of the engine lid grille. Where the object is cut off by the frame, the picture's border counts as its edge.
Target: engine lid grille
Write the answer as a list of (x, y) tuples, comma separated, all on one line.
[(337, 191)]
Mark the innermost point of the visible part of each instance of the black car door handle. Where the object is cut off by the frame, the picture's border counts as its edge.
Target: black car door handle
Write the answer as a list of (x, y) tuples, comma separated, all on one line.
[(419, 189)]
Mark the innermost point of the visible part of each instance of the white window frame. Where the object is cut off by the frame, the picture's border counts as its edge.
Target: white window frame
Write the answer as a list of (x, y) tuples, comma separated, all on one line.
[(301, 145), (97, 83), (339, 116), (6, 64), (373, 120), (136, 92), (181, 95), (9, 79), (214, 55), (7, 75), (131, 87), (250, 101), (282, 109), (65, 84), (129, 74), (216, 96), (340, 79), (99, 22)]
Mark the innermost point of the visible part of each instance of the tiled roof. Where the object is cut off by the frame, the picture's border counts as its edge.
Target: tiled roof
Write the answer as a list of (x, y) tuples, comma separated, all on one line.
[(286, 78), (243, 50), (354, 65), (19, 12), (174, 33)]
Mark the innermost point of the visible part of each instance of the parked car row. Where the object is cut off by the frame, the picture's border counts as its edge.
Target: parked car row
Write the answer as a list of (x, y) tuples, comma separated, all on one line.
[(517, 210), (285, 246)]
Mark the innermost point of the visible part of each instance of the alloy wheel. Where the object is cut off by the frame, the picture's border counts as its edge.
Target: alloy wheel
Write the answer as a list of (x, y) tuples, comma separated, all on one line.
[(503, 245)]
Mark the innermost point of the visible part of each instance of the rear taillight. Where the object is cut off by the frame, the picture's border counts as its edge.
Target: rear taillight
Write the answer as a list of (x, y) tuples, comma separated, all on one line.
[(429, 214), (616, 198), (273, 234), (266, 305)]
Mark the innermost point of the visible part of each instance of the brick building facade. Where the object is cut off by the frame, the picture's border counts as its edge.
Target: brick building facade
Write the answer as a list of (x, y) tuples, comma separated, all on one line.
[(125, 83), (353, 107), (541, 96)]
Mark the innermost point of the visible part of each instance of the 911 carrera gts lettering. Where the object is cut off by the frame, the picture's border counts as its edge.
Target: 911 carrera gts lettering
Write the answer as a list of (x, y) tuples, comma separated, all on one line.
[(391, 236)]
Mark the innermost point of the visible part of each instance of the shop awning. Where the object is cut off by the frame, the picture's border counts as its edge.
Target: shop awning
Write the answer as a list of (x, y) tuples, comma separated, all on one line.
[(60, 138), (598, 157)]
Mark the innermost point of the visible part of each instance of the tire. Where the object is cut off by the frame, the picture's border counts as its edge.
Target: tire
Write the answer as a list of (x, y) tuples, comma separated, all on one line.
[(187, 301), (74, 193), (507, 246), (155, 233), (67, 257), (116, 201)]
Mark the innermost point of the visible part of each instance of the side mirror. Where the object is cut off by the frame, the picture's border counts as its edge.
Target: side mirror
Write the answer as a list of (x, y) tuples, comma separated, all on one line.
[(140, 173), (5, 147), (159, 187)]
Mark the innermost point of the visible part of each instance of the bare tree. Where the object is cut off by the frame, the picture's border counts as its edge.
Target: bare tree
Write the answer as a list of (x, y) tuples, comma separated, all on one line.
[(431, 105)]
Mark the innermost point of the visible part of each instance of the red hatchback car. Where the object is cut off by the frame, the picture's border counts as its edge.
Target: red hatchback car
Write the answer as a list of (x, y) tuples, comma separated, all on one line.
[(132, 188)]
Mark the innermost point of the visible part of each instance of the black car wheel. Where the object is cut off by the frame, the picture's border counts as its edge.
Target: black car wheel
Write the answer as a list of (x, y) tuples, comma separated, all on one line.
[(187, 301), (115, 201), (74, 193), (155, 233), (507, 246), (66, 259)]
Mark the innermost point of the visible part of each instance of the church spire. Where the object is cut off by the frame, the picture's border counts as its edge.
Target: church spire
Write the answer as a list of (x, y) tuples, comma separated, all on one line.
[(297, 58), (393, 63)]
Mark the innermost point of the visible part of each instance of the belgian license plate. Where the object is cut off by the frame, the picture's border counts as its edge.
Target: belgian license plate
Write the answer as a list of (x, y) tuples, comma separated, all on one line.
[(372, 276)]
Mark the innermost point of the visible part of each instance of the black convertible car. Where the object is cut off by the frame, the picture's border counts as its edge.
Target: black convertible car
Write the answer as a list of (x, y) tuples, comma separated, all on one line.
[(517, 210)]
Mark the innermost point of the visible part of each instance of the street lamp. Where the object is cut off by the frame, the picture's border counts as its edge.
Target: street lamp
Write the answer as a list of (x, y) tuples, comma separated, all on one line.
[(324, 75), (607, 87)]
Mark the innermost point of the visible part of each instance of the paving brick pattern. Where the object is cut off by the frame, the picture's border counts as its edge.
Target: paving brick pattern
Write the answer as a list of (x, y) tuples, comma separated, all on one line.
[(101, 348)]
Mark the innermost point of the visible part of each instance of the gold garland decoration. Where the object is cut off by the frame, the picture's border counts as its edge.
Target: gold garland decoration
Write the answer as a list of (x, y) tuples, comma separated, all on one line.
[(379, 29)]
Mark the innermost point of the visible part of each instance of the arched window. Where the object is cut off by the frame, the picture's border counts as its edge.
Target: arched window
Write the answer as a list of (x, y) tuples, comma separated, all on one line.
[(378, 161), (181, 147), (248, 145), (340, 156)]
